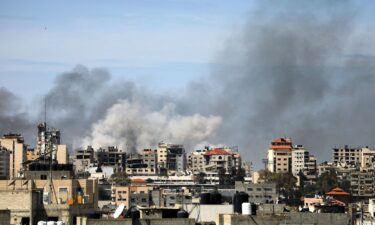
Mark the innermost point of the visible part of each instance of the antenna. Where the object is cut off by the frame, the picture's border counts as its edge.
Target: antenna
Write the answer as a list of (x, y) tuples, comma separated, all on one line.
[(45, 110), (119, 210)]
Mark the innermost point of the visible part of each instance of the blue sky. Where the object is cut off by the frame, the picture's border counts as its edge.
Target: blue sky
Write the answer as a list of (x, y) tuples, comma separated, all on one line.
[(165, 43)]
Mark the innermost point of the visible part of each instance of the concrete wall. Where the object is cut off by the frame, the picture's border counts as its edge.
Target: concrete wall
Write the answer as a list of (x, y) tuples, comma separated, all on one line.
[(165, 221), (287, 218)]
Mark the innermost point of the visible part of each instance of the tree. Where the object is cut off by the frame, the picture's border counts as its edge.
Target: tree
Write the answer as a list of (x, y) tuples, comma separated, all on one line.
[(327, 181)]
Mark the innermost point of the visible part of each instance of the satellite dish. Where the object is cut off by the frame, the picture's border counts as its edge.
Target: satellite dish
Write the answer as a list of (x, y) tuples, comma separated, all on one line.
[(119, 211)]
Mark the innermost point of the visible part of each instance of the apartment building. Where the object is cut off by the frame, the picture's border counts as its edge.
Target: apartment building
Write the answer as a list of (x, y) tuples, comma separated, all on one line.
[(112, 156), (259, 193), (14, 143), (82, 159), (279, 156), (142, 164), (347, 155), (131, 195), (218, 158), (196, 161), (171, 157), (362, 183), (367, 158)]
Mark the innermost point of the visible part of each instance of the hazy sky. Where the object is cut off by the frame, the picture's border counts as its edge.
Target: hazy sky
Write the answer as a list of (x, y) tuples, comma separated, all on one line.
[(228, 72), (164, 43)]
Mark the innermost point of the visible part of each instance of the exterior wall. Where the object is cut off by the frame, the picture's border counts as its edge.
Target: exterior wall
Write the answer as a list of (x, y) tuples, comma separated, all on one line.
[(362, 183), (367, 158), (346, 155), (259, 193), (371, 207), (131, 195), (196, 162), (17, 154), (4, 164), (300, 157), (281, 161), (164, 221), (62, 154)]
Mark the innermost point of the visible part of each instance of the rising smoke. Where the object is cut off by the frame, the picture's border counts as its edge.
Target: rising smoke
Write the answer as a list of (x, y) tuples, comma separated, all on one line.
[(295, 69)]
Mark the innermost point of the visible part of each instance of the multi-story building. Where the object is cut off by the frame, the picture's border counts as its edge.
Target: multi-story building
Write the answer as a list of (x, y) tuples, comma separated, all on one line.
[(196, 161), (300, 157), (367, 158), (14, 143), (142, 164), (218, 158), (280, 156), (171, 157), (111, 157), (4, 163), (47, 141), (259, 193), (362, 183), (347, 156), (82, 159), (131, 195)]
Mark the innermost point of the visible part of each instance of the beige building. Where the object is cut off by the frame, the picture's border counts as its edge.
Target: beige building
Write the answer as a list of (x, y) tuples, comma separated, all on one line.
[(62, 155), (29, 201), (131, 195), (280, 156), (367, 158), (14, 143), (196, 160)]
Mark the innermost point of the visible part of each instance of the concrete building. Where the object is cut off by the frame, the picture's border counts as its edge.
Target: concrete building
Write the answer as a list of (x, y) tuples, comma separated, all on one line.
[(14, 143), (112, 156), (82, 159), (196, 160), (131, 195), (31, 154), (300, 157), (371, 207), (48, 140), (4, 163), (367, 158), (171, 157), (362, 183), (142, 164), (347, 156), (279, 156), (259, 193), (30, 201), (218, 158)]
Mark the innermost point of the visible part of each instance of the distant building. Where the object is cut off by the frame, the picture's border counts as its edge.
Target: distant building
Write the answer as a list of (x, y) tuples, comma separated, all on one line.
[(82, 159), (131, 195), (362, 183), (259, 193), (196, 161), (14, 143), (112, 156), (367, 158), (47, 141), (142, 164), (171, 157), (347, 156), (218, 158), (300, 157), (280, 156)]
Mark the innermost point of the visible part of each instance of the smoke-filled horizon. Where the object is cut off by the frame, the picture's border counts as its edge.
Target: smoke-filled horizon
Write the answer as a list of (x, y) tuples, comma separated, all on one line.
[(292, 70)]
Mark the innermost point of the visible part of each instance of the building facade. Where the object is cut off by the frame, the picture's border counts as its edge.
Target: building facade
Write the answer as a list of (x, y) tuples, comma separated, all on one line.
[(279, 156), (14, 143)]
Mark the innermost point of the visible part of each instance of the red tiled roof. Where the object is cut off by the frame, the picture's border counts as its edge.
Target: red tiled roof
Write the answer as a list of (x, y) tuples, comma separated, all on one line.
[(217, 151), (138, 181), (337, 191)]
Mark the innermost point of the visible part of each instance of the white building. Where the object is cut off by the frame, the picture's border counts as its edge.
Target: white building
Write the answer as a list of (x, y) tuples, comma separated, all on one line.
[(367, 158), (300, 158)]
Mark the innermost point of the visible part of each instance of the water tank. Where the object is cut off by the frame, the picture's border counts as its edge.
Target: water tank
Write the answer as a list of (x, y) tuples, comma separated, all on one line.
[(182, 214), (42, 223), (238, 199), (246, 208), (215, 198), (205, 198), (60, 223), (51, 223)]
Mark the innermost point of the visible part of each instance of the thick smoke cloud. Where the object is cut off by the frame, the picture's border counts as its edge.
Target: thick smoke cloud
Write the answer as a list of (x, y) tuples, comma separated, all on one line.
[(288, 73), (12, 118)]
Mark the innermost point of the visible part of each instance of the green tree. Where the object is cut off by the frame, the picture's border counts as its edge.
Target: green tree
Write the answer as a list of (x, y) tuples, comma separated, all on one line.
[(327, 181), (120, 178)]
